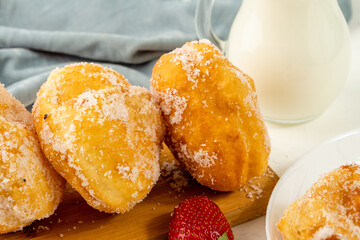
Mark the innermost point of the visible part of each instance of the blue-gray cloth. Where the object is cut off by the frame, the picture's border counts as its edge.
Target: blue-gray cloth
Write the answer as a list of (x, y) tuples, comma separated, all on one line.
[(39, 35)]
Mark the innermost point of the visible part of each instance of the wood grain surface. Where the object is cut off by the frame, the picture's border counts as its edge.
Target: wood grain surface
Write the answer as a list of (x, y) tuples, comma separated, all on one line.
[(74, 219)]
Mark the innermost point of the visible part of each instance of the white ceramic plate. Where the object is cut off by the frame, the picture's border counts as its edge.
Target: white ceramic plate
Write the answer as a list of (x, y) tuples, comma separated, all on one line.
[(305, 172)]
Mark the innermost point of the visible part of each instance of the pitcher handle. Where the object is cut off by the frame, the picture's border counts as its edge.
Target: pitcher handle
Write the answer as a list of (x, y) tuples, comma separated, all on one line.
[(203, 25)]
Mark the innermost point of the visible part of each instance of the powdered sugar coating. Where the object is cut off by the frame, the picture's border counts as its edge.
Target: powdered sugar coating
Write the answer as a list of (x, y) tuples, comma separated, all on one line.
[(111, 109), (170, 100), (106, 132), (201, 157), (326, 233), (189, 59)]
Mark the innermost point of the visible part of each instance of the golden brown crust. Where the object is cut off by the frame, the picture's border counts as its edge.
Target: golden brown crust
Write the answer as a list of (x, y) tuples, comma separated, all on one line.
[(30, 189), (211, 115), (329, 209), (13, 111), (101, 134)]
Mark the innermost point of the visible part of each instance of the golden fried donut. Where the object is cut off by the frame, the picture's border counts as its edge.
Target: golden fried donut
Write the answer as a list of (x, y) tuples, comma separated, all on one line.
[(329, 210), (101, 134), (213, 123), (30, 189)]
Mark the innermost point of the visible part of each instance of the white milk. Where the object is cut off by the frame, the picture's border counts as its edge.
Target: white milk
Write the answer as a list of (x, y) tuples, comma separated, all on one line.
[(297, 52)]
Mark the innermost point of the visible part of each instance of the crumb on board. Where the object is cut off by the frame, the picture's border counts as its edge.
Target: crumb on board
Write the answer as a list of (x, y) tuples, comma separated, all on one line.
[(253, 190), (177, 177), (43, 227)]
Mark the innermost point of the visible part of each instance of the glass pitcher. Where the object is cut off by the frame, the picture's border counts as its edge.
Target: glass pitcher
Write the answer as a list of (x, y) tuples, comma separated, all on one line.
[(297, 52)]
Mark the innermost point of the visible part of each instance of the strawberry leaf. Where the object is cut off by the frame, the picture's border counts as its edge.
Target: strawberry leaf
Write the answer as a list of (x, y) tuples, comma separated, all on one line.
[(223, 237)]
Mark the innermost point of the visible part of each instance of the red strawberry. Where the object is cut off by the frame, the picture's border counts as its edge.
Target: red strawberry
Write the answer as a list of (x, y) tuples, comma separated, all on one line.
[(199, 218)]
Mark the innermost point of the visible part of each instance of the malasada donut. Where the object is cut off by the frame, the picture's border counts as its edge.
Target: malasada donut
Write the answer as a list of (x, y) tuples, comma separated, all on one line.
[(101, 134), (213, 122), (30, 189)]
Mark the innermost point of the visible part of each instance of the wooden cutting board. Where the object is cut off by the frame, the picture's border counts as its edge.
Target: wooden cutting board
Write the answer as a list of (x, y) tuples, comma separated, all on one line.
[(74, 219)]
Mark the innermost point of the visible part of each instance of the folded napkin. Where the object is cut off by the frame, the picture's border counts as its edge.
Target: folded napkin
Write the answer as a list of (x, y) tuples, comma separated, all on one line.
[(37, 36)]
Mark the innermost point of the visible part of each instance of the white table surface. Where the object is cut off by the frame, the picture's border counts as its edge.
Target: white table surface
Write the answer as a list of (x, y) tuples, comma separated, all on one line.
[(291, 142)]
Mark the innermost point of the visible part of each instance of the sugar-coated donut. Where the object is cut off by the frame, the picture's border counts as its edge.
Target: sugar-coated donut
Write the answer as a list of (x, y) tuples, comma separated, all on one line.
[(30, 189), (210, 109), (101, 134), (330, 209)]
